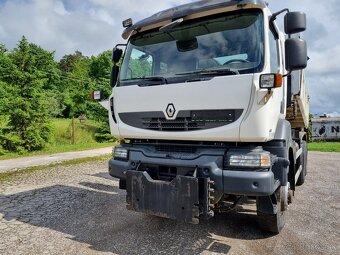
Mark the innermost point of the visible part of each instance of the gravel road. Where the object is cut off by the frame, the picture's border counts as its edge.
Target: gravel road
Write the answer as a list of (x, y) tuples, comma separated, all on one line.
[(80, 210), (12, 165)]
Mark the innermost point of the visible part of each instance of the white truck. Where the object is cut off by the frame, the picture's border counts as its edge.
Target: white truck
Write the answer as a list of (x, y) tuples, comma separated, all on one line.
[(210, 104)]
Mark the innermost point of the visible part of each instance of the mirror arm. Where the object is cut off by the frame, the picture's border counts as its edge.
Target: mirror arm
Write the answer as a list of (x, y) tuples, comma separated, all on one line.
[(272, 19), (274, 15), (120, 44), (117, 48), (287, 74)]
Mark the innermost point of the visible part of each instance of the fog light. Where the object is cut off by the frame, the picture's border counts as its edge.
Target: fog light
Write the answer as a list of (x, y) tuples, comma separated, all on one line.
[(120, 153)]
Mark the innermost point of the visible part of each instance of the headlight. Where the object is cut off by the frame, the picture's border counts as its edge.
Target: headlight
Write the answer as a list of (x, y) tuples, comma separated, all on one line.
[(256, 158), (120, 153)]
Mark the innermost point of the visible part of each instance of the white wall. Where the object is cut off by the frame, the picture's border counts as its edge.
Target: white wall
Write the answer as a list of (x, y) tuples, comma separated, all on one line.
[(327, 129)]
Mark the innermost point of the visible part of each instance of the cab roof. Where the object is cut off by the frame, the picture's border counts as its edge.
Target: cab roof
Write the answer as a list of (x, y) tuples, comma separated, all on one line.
[(187, 9)]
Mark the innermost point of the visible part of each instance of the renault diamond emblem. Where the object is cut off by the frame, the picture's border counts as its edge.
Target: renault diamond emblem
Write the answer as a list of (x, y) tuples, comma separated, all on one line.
[(170, 110)]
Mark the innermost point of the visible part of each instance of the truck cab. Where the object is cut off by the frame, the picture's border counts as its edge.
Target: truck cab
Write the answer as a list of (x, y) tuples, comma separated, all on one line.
[(210, 104)]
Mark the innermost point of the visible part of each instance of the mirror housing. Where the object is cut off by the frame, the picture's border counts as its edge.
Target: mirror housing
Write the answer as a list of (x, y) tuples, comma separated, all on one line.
[(116, 55), (296, 54), (114, 75), (187, 45), (295, 22)]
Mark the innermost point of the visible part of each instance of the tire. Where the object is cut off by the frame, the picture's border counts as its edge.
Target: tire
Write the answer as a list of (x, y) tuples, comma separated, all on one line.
[(273, 223), (304, 143), (303, 156)]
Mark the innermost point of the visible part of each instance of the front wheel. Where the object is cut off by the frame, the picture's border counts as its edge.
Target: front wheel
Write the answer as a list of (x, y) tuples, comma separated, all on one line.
[(272, 222)]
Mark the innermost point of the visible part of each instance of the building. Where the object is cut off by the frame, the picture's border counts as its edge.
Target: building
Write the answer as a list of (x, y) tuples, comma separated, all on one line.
[(326, 128)]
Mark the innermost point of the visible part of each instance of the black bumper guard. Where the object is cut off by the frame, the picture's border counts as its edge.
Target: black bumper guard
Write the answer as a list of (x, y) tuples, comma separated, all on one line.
[(184, 198)]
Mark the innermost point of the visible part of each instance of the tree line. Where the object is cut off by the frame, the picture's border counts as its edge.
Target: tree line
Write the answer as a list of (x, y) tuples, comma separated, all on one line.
[(34, 88)]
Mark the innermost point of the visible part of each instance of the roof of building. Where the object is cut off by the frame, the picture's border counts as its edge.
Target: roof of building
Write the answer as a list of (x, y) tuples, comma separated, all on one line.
[(326, 119)]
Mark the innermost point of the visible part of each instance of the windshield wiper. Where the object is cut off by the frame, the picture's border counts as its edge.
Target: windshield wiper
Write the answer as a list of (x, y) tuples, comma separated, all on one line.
[(212, 72), (148, 81)]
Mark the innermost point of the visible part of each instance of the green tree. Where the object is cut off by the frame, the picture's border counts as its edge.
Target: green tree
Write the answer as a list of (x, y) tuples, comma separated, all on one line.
[(7, 72), (3, 49), (28, 118), (34, 87), (100, 67), (100, 72), (310, 128), (5, 97), (75, 70), (67, 62)]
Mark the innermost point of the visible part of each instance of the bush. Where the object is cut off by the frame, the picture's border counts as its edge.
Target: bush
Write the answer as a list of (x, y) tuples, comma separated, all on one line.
[(2, 151), (103, 134)]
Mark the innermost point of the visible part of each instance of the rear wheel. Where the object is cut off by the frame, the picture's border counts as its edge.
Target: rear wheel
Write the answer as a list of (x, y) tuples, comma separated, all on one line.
[(303, 156), (272, 223)]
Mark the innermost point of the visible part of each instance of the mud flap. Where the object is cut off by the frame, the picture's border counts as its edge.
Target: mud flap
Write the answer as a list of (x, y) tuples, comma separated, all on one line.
[(177, 199)]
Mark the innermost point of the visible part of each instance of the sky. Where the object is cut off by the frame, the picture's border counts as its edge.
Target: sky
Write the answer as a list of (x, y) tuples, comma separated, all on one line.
[(92, 26)]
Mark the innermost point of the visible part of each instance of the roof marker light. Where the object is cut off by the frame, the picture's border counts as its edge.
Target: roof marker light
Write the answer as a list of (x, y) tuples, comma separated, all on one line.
[(127, 22)]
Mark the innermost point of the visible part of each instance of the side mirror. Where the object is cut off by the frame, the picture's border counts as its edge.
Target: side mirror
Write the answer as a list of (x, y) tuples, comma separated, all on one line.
[(296, 54), (116, 55), (114, 75), (295, 22)]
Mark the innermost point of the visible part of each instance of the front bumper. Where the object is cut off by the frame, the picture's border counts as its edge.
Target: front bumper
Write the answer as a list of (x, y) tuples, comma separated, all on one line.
[(248, 182)]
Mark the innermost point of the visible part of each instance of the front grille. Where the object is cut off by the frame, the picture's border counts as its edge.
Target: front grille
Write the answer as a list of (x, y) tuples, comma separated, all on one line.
[(175, 148), (185, 120), (179, 124)]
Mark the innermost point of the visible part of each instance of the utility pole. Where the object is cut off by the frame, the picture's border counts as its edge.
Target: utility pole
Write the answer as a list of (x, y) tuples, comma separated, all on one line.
[(73, 131)]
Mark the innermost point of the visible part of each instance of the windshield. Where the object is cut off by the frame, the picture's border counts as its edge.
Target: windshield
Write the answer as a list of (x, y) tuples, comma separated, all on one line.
[(231, 43)]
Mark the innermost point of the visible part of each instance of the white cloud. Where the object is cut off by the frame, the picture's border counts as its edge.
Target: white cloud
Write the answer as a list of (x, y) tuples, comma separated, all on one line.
[(325, 62), (101, 15), (137, 9), (334, 114), (3, 33), (324, 93), (59, 8), (90, 26), (93, 26), (51, 25)]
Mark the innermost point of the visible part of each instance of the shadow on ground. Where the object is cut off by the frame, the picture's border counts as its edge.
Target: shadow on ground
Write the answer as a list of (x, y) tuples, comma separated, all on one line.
[(96, 215)]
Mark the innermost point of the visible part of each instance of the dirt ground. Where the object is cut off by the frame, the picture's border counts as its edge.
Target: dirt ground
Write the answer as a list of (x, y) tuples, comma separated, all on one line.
[(80, 210)]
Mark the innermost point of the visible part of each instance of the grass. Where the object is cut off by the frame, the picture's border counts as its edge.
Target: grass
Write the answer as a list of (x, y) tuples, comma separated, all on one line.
[(7, 176), (324, 146), (62, 132), (61, 140)]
